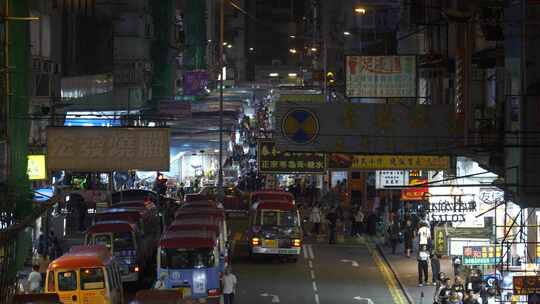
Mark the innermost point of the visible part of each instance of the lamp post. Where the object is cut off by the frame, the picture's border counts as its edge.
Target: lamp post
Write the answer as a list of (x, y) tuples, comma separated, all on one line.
[(220, 173)]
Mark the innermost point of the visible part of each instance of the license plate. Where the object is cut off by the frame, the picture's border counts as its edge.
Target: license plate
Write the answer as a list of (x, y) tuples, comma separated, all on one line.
[(270, 243), (286, 251)]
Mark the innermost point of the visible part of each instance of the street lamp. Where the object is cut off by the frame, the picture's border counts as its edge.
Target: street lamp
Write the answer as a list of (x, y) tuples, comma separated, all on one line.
[(360, 10)]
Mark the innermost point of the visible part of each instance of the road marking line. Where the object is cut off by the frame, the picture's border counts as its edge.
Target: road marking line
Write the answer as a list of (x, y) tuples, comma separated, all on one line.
[(390, 280), (304, 249), (312, 274), (314, 286), (310, 263), (316, 298), (311, 255)]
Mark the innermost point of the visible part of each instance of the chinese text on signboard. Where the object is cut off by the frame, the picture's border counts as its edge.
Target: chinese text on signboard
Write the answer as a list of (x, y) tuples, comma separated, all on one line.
[(271, 160), (380, 76), (415, 193), (382, 162), (107, 149), (524, 285), (391, 178), (481, 255)]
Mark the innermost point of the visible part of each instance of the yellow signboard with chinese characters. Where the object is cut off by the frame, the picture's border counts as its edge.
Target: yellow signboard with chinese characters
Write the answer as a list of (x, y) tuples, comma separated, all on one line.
[(101, 149), (388, 162), (271, 160), (36, 169)]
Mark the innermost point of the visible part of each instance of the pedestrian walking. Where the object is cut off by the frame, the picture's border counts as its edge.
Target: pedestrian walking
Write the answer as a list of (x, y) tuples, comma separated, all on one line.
[(408, 236), (229, 286), (393, 235), (315, 219), (34, 280), (332, 218), (435, 267), (358, 222), (54, 246), (422, 258)]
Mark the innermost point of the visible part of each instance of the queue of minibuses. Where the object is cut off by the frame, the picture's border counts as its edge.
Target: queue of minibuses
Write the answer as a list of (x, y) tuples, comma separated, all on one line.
[(119, 248), (193, 251)]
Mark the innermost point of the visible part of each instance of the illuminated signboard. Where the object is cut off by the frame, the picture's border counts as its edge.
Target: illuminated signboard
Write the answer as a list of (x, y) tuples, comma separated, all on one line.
[(524, 285), (481, 255), (415, 193), (36, 169), (271, 160), (389, 162)]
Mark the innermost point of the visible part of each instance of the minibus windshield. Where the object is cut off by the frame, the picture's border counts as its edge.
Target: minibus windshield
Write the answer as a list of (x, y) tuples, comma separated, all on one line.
[(92, 278), (277, 218), (175, 258)]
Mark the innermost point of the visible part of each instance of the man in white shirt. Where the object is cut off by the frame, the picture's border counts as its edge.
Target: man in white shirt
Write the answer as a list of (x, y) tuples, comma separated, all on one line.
[(34, 280), (229, 286), (423, 235)]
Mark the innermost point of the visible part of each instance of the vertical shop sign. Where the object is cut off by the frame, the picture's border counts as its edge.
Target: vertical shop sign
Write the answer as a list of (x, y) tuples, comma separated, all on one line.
[(415, 193)]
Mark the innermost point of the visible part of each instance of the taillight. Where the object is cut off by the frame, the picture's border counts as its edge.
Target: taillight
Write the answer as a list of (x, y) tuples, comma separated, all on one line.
[(297, 243), (255, 241)]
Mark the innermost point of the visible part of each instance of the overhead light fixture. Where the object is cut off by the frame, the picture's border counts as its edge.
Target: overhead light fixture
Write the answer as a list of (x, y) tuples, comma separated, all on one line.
[(273, 74), (313, 49), (225, 43), (360, 10), (293, 74), (216, 151), (292, 51), (209, 40), (292, 36), (347, 33), (229, 46), (251, 49)]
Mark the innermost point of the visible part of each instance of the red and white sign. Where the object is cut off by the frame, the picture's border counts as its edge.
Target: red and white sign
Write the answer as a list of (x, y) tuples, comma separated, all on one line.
[(415, 193)]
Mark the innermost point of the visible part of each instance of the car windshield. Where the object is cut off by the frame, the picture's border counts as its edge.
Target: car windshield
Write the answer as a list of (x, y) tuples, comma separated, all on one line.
[(277, 218), (175, 258), (103, 239)]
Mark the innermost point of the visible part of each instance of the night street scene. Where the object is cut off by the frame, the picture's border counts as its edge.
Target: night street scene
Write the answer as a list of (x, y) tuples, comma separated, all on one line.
[(270, 151)]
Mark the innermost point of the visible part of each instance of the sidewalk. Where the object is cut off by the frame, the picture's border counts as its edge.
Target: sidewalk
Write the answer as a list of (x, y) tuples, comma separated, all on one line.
[(406, 270)]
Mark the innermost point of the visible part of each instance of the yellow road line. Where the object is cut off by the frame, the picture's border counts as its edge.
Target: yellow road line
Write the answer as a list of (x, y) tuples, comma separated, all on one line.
[(390, 280)]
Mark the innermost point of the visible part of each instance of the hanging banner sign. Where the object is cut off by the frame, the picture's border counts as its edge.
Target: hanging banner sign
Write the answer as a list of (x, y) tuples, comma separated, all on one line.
[(482, 255), (394, 178), (271, 160), (380, 76), (415, 193), (97, 149), (388, 162)]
